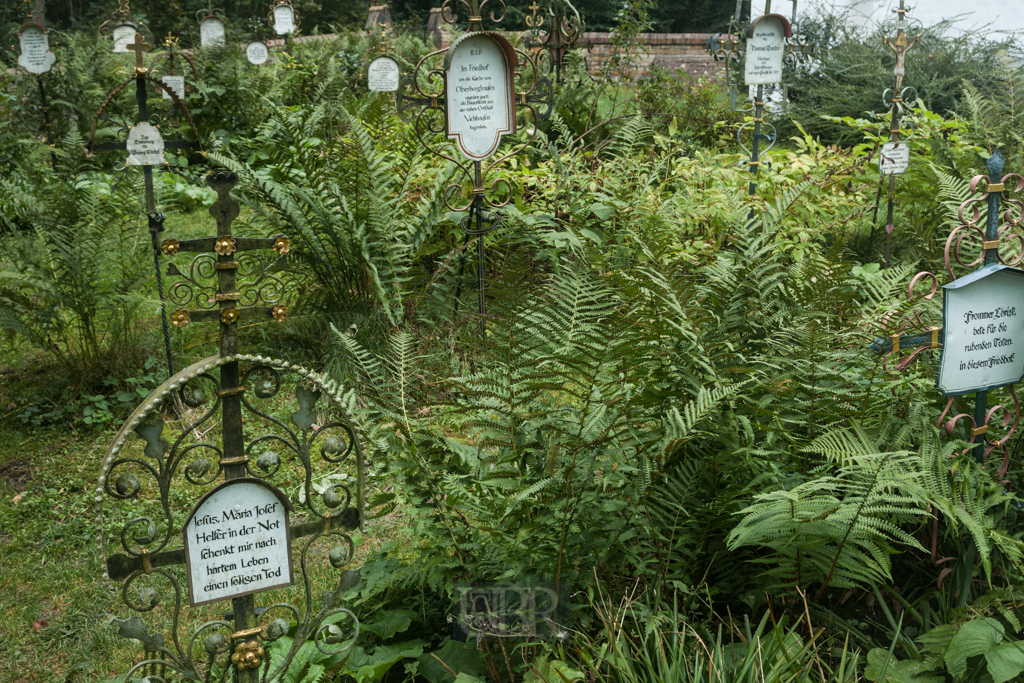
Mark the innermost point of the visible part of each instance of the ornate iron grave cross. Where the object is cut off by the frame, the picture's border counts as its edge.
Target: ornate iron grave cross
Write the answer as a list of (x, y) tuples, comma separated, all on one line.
[(212, 26), (146, 145), (982, 332), (173, 80), (37, 59), (894, 156), (212, 520), (382, 72), (122, 27), (472, 98), (556, 30), (761, 44)]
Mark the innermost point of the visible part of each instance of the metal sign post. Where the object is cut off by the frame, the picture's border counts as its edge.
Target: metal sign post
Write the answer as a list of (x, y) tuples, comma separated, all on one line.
[(895, 155), (236, 541), (37, 59), (761, 44), (985, 334), (141, 76), (434, 105)]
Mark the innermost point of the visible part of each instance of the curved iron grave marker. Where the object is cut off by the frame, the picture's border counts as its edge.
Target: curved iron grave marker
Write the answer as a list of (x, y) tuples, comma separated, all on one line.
[(479, 106), (237, 541), (486, 85)]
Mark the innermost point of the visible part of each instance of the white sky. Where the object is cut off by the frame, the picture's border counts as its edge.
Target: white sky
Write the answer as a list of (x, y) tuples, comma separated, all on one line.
[(1003, 16)]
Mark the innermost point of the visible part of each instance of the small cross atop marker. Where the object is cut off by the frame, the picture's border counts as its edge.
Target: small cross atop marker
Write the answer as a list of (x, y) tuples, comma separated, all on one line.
[(139, 47)]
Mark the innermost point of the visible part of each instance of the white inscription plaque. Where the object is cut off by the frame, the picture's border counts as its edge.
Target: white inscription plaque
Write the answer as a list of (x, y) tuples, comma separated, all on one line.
[(145, 146), (284, 20), (175, 83), (983, 330), (478, 95), (764, 52), (35, 50), (211, 32), (894, 158), (124, 35), (383, 75), (237, 542), (257, 53)]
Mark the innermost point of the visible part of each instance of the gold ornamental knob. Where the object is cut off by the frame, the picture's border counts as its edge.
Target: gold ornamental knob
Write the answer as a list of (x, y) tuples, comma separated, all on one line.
[(171, 247), (248, 655), (225, 246)]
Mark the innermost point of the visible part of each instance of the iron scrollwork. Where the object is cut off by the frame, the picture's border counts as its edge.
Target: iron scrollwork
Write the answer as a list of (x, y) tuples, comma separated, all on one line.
[(122, 16), (144, 468), (968, 246), (198, 284), (553, 33), (421, 101)]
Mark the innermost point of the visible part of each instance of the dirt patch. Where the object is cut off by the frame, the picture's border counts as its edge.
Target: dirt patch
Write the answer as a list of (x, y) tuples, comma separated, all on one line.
[(16, 474)]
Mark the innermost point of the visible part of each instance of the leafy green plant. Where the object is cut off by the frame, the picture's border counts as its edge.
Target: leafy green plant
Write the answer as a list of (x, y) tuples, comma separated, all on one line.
[(850, 70), (127, 394), (355, 216), (966, 651), (72, 272), (664, 647)]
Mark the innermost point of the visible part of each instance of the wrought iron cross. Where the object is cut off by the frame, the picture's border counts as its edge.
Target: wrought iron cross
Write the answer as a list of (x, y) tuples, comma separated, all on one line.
[(156, 220), (564, 27), (139, 47), (426, 110), (241, 290), (226, 301), (898, 97), (912, 336)]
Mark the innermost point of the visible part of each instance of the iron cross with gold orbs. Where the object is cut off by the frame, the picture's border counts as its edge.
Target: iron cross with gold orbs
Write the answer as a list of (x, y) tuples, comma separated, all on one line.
[(139, 47)]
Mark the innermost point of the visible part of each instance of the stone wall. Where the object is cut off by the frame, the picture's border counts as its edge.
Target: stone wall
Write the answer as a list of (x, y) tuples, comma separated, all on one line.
[(674, 51)]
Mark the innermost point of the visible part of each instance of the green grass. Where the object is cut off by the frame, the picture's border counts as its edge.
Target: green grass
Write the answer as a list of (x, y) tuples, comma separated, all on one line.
[(56, 611)]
